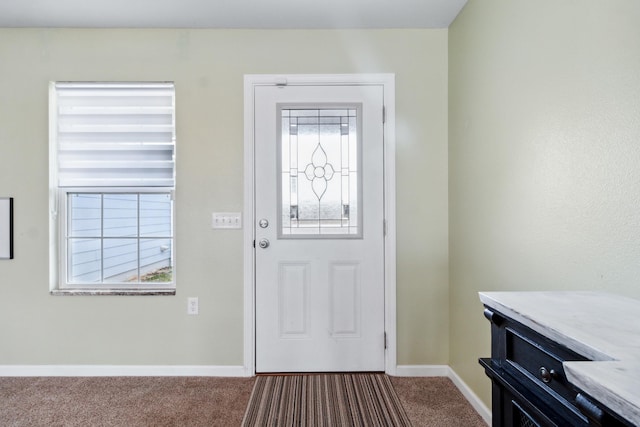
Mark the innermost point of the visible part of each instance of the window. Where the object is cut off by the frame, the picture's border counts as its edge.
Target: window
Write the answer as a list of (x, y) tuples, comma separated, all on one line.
[(320, 159), (112, 179)]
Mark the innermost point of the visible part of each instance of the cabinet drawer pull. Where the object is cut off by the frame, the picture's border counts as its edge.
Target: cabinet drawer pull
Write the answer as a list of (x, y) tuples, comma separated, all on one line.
[(547, 375)]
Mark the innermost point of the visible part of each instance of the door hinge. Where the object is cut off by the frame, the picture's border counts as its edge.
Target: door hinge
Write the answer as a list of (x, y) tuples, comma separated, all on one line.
[(384, 227), (385, 340), (384, 114)]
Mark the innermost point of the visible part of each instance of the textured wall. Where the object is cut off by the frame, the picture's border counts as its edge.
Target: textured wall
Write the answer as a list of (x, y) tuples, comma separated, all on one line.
[(544, 134), (207, 67)]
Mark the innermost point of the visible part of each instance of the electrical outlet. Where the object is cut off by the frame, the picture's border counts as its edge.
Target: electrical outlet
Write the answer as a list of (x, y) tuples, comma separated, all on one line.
[(226, 220), (192, 305)]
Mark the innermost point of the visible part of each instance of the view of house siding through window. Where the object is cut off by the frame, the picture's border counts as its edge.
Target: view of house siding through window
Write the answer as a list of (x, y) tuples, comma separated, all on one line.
[(120, 238)]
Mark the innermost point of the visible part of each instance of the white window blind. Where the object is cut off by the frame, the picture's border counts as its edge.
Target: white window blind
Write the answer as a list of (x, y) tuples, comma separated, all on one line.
[(115, 134)]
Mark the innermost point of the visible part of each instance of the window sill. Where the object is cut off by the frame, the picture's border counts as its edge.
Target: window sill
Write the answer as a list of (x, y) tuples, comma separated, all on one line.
[(141, 292)]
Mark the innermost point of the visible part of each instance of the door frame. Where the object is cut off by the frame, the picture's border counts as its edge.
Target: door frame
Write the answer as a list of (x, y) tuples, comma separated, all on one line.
[(387, 81)]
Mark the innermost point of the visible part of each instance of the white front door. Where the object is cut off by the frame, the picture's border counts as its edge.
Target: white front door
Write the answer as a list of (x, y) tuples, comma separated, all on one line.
[(319, 211)]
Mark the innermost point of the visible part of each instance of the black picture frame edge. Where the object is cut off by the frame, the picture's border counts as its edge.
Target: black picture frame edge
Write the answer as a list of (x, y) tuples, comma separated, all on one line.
[(10, 227), (8, 239)]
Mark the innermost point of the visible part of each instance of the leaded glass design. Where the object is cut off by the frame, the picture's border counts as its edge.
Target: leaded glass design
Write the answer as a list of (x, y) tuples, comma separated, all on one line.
[(319, 167)]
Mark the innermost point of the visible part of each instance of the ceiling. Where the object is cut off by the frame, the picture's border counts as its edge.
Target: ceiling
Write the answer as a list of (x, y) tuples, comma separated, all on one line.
[(259, 14)]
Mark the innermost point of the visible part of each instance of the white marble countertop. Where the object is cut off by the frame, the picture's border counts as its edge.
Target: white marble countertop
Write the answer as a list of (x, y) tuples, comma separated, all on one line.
[(600, 326)]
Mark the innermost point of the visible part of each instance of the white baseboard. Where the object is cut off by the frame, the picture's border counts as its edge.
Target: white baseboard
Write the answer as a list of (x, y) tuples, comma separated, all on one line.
[(446, 371), (474, 400), (422, 371), (121, 371)]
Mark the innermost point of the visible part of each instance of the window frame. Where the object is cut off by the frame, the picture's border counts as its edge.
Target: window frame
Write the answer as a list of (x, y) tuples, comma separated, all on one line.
[(59, 199)]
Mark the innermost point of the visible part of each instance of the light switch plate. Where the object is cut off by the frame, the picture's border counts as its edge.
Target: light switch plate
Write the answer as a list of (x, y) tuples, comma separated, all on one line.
[(193, 307), (226, 220)]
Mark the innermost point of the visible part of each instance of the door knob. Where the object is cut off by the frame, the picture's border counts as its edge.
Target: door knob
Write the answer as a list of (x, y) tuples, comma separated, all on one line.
[(264, 243)]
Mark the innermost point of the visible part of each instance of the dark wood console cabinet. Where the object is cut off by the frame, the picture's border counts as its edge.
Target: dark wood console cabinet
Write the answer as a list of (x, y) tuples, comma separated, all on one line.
[(529, 386)]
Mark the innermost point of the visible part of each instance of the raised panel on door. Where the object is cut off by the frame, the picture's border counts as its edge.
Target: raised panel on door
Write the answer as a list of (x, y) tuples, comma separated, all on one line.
[(345, 300), (293, 301)]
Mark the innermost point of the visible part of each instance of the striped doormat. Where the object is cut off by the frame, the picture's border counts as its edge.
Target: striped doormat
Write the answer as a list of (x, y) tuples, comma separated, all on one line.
[(324, 400)]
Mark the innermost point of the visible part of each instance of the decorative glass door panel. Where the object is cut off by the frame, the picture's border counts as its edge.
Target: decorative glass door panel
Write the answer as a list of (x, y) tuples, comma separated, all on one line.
[(319, 171)]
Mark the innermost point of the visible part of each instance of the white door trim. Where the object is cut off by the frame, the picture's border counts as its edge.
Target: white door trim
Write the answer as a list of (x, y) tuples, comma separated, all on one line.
[(388, 83)]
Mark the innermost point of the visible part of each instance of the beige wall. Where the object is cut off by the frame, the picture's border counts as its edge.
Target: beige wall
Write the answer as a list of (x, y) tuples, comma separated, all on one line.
[(544, 146), (208, 67)]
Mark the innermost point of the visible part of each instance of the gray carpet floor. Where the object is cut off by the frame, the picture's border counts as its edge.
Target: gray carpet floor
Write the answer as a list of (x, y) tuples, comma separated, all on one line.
[(189, 401)]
